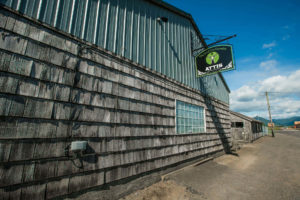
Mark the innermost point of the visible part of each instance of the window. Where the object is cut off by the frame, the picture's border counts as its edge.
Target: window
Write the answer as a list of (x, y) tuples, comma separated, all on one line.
[(189, 118), (237, 124)]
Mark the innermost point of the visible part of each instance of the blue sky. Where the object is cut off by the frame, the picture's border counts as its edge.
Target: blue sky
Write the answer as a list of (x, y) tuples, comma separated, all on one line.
[(266, 50)]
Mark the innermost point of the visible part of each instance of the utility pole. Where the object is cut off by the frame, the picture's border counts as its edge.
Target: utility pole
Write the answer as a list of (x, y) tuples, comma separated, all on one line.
[(269, 109)]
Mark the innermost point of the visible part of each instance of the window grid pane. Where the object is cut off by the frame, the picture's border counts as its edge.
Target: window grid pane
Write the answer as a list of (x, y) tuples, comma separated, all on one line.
[(189, 118)]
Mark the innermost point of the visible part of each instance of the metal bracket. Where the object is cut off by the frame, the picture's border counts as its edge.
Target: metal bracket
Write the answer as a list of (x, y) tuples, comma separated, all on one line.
[(222, 40)]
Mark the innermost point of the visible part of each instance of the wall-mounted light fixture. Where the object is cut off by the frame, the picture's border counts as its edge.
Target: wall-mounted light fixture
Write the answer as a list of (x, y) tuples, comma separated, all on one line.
[(162, 19), (77, 148)]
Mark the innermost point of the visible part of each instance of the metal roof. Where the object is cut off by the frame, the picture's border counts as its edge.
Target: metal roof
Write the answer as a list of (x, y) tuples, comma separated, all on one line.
[(188, 16), (244, 117), (129, 29)]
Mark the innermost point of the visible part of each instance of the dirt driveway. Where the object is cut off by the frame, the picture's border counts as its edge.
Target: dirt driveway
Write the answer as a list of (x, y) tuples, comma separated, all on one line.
[(266, 169)]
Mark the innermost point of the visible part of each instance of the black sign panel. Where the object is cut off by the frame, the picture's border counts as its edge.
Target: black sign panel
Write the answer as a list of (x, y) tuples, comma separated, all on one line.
[(215, 59)]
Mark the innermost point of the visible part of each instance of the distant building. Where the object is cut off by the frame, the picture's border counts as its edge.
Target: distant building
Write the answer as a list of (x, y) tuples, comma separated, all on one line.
[(244, 128), (271, 124), (297, 124)]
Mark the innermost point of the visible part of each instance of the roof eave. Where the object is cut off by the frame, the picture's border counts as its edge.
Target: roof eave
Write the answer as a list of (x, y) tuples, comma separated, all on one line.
[(244, 117), (182, 13)]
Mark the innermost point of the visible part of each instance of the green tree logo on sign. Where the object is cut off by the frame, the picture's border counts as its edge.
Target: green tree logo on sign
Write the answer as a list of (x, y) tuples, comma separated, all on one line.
[(212, 58)]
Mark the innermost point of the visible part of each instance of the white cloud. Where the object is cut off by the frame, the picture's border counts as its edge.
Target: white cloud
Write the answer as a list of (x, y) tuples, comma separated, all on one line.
[(282, 84), (269, 67), (269, 64), (286, 37), (269, 45), (245, 93), (284, 95)]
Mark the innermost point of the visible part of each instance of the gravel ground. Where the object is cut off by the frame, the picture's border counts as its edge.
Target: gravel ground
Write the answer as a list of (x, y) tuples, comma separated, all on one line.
[(267, 169), (167, 190)]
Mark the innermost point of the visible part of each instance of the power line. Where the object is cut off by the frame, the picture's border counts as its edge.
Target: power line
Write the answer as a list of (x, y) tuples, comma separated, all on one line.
[(263, 93), (284, 92)]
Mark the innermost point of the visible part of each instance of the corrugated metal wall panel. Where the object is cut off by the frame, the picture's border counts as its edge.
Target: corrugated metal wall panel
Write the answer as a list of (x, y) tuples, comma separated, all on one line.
[(30, 6), (135, 33), (92, 12), (120, 33), (101, 23), (147, 52), (152, 36), (64, 16), (78, 19), (110, 33), (176, 43), (129, 28)]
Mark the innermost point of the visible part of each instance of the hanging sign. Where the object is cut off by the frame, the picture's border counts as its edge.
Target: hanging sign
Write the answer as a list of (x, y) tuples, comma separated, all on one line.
[(215, 59)]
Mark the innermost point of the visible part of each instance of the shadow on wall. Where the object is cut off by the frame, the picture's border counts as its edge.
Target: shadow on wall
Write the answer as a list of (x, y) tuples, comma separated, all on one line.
[(217, 123), (169, 42), (88, 156)]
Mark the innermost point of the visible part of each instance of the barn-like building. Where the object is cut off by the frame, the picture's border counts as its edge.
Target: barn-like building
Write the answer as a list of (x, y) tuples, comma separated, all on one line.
[(117, 74)]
